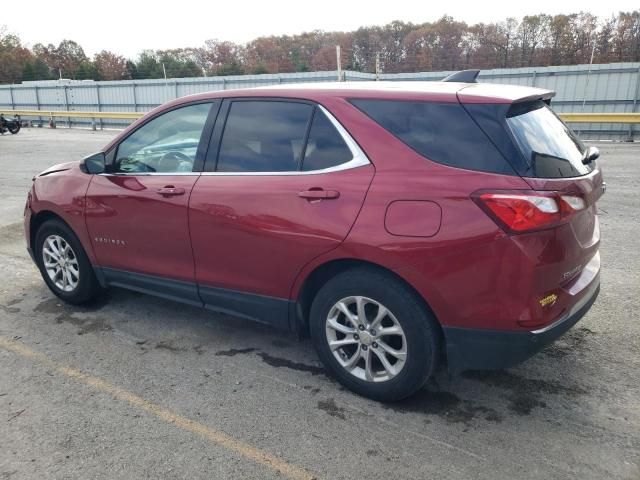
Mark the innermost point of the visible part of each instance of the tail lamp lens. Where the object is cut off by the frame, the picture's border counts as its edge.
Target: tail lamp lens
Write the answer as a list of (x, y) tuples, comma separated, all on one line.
[(570, 203), (527, 211)]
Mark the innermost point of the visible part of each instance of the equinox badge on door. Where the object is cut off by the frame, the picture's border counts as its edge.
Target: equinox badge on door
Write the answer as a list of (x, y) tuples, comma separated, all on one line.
[(111, 241)]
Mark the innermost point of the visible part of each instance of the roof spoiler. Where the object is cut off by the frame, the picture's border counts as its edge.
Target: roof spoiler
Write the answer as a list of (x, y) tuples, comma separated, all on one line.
[(463, 76), (544, 96)]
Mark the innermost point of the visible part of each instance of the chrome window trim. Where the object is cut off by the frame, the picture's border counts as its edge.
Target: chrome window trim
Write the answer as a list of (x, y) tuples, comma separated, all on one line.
[(147, 174), (359, 160)]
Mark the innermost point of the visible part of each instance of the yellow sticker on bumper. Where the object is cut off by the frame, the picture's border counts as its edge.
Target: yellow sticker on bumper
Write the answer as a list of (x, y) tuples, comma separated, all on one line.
[(548, 300)]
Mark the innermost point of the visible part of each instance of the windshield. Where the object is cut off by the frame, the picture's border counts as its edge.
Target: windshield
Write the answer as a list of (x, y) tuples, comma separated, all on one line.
[(551, 149)]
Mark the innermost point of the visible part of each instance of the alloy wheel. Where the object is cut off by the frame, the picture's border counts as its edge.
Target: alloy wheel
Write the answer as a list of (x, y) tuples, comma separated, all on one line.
[(366, 339), (60, 263)]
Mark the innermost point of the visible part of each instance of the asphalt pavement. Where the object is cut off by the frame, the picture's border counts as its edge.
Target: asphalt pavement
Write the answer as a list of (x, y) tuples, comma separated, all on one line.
[(133, 386)]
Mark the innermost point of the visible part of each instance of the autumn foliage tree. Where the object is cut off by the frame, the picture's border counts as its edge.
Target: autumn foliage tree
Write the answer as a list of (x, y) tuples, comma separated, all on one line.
[(446, 44), (111, 66), (64, 60), (14, 58)]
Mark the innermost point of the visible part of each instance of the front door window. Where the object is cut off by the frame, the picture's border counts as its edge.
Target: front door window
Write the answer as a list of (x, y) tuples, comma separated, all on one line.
[(167, 144)]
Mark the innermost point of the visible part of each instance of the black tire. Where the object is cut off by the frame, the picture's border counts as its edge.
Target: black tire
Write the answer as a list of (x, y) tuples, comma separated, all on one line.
[(87, 288), (421, 331), (14, 129)]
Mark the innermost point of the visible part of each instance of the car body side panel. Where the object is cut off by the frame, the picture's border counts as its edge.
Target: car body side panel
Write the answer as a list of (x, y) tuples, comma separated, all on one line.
[(254, 233), (470, 272), (135, 228)]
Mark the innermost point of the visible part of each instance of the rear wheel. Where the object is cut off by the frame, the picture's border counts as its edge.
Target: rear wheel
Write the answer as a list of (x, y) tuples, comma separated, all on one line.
[(374, 334), (63, 263)]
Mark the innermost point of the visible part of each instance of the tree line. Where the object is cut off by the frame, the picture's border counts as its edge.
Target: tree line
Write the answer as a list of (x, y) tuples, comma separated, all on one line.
[(447, 44)]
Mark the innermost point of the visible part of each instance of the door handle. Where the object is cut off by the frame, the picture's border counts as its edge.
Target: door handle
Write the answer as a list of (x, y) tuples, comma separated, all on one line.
[(170, 191), (319, 194)]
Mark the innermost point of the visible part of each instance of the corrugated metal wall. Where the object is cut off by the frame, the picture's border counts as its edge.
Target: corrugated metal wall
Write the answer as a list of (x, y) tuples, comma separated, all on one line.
[(602, 88)]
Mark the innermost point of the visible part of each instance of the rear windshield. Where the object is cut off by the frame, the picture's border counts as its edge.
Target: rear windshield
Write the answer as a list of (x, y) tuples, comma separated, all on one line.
[(441, 132), (550, 148)]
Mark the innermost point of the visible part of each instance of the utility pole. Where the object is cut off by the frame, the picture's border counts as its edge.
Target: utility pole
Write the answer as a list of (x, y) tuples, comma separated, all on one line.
[(339, 63), (166, 83), (377, 66), (586, 85), (584, 98)]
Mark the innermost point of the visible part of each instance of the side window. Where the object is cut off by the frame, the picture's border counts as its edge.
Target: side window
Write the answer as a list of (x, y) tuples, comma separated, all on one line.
[(325, 147), (263, 136), (167, 144), (441, 132)]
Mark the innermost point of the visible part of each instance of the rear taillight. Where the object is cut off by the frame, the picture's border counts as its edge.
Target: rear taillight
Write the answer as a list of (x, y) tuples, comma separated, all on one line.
[(524, 211), (570, 204)]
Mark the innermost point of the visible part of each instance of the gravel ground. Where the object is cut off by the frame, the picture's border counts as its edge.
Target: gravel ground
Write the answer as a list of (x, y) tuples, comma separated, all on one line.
[(138, 387)]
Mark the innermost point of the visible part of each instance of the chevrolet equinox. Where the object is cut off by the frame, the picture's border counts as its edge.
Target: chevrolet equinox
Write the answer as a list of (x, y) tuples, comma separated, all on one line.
[(399, 224)]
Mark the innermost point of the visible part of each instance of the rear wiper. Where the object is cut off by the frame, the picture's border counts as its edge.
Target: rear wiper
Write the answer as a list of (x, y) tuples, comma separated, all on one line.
[(590, 155)]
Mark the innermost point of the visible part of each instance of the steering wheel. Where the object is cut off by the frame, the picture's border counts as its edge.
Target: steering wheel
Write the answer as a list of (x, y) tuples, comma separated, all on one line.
[(170, 161), (175, 155)]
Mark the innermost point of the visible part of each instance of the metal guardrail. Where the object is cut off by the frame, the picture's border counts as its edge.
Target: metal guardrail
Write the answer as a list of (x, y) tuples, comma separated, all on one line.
[(567, 117), (600, 117), (75, 114)]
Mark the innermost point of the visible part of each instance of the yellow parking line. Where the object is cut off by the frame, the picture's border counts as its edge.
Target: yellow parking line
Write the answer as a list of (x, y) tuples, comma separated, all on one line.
[(214, 436)]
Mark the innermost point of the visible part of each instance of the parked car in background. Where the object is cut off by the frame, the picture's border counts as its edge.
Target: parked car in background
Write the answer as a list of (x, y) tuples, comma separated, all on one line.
[(400, 224)]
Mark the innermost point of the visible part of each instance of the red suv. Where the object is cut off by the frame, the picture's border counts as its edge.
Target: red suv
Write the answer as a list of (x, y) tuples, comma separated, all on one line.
[(400, 224)]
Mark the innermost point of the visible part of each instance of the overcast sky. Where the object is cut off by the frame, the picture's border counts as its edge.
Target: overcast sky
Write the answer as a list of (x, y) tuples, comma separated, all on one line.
[(127, 27)]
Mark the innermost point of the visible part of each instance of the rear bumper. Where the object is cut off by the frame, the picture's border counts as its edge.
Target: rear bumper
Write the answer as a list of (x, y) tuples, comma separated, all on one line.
[(493, 349)]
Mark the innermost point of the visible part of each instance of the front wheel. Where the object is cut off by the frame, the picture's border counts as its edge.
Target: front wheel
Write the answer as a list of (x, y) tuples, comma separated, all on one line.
[(63, 263), (374, 334), (15, 128)]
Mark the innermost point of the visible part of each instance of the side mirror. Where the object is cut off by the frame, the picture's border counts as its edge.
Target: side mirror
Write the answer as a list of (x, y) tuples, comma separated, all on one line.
[(590, 155), (95, 163)]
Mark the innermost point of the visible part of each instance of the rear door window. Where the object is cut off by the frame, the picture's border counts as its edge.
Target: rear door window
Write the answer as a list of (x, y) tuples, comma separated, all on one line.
[(550, 148), (441, 132), (264, 136), (325, 147)]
